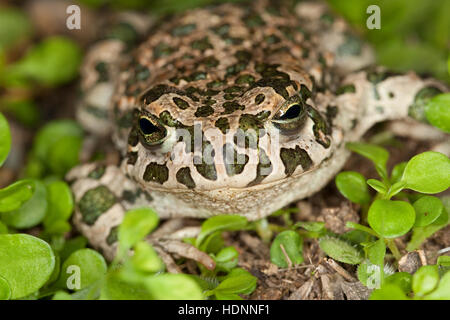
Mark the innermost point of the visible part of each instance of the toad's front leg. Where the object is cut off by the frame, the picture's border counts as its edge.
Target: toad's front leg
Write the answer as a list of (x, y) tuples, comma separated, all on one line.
[(103, 195)]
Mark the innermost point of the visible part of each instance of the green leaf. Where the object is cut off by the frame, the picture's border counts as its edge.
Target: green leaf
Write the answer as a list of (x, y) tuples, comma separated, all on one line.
[(313, 226), (443, 261), (3, 228), (227, 258), (170, 286), (14, 195), (5, 289), (60, 203), (442, 292), (420, 234), (428, 172), (220, 223), (115, 288), (145, 258), (402, 280), (369, 274), (425, 280), (72, 245), (391, 219), (32, 212), (287, 246), (26, 262), (5, 139), (87, 265), (353, 186), (397, 172), (428, 209), (379, 186), (61, 295), (136, 224), (388, 292), (237, 284), (340, 250), (376, 154), (51, 133), (14, 27), (395, 189), (437, 111), (53, 61), (376, 252), (64, 155)]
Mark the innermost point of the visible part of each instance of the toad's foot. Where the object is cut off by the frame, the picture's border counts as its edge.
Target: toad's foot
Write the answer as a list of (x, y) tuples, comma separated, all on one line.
[(103, 195)]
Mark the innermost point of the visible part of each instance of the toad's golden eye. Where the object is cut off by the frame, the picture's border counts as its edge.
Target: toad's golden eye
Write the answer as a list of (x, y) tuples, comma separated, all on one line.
[(291, 115), (151, 131)]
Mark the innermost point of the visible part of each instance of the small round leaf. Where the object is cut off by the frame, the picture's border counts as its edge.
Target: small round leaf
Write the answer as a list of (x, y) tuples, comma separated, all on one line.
[(26, 262), (437, 111), (353, 186), (287, 249), (428, 172), (32, 212), (428, 209), (425, 280), (81, 269), (391, 219)]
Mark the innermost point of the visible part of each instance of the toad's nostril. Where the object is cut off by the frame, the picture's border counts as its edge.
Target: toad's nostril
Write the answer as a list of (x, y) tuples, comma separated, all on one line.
[(147, 127)]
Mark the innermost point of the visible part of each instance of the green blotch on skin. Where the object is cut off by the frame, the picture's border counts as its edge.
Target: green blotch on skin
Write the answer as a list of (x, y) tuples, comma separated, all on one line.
[(201, 44), (245, 79), (113, 235), (124, 32), (331, 113), (216, 84), (132, 157), (210, 62), (156, 173), (102, 70), (204, 111), (183, 30), (272, 39), (243, 55), (184, 177), (222, 124), (263, 169), (250, 126), (96, 112), (221, 30), (233, 89), (320, 127), (260, 98), (162, 50), (156, 92), (233, 160), (231, 106), (133, 137), (229, 96), (95, 202), (142, 73), (97, 173), (209, 101), (292, 158), (182, 104), (198, 75), (417, 108), (349, 88), (129, 196), (166, 118), (351, 47), (253, 20)]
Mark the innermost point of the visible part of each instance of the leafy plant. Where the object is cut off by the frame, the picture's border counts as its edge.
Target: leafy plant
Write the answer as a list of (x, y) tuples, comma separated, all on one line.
[(386, 218)]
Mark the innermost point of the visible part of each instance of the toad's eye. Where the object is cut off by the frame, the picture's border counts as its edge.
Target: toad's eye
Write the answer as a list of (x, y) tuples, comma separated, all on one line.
[(291, 115), (151, 131)]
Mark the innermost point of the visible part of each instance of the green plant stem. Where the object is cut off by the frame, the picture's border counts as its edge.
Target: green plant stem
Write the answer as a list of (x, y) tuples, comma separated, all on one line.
[(393, 247)]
